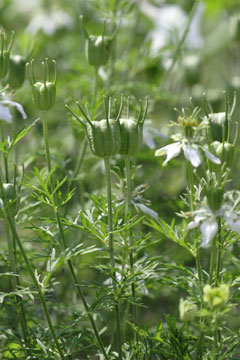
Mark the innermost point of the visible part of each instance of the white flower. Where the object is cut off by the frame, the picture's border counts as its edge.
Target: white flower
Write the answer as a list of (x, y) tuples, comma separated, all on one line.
[(5, 113), (49, 22), (191, 153), (207, 219)]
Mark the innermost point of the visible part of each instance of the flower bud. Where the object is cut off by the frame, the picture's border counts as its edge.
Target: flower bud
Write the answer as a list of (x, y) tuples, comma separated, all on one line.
[(214, 198), (5, 56), (98, 48), (10, 196), (104, 136), (187, 310), (132, 132), (219, 126), (216, 297), (225, 152), (16, 74), (44, 93)]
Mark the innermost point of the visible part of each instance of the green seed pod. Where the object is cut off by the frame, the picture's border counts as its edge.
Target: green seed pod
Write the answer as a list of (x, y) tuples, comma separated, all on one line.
[(192, 69), (214, 198), (44, 93), (98, 48), (104, 136), (16, 74), (225, 152), (132, 132), (5, 56)]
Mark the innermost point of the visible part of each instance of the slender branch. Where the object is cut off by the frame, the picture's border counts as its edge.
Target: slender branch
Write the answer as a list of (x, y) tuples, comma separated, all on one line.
[(111, 253)]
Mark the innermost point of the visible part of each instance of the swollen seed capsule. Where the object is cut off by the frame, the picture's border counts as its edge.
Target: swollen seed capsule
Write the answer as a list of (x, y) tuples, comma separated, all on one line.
[(16, 74), (132, 133), (44, 93), (98, 48), (5, 56), (214, 198), (103, 136)]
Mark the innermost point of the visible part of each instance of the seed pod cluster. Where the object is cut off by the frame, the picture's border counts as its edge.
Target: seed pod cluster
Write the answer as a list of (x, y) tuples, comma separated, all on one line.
[(5, 56), (44, 93), (98, 47), (110, 136)]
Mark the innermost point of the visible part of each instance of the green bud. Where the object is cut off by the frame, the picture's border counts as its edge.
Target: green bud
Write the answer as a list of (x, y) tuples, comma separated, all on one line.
[(219, 126), (192, 69), (187, 310), (132, 132), (44, 93), (5, 56), (16, 74), (216, 297), (98, 48), (214, 198), (104, 136), (10, 196), (225, 152)]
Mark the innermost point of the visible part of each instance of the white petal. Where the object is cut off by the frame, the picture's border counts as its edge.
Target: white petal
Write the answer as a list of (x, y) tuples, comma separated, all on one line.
[(193, 155), (208, 229), (233, 222), (146, 210), (172, 150), (193, 224), (17, 105), (5, 114), (211, 157)]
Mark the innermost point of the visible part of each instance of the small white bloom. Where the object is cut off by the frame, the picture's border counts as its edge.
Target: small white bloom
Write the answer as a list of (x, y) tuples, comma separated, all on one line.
[(207, 219), (5, 113), (171, 150), (191, 153)]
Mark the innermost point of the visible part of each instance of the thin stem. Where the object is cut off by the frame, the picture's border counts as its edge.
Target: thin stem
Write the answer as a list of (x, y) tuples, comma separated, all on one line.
[(128, 208), (45, 133), (220, 251), (78, 287), (191, 183), (213, 258), (215, 340), (111, 253), (64, 244), (16, 283), (5, 156), (36, 284), (95, 82)]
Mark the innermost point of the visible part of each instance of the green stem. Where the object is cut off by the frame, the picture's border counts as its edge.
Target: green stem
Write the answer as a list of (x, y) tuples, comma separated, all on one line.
[(215, 340), (5, 156), (16, 283), (78, 287), (128, 209), (31, 272), (45, 134), (213, 258), (198, 262), (220, 251), (95, 82), (64, 244), (111, 253)]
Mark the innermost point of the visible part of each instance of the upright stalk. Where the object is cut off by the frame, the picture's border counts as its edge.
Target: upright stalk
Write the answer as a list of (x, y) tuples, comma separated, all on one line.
[(220, 250), (191, 184), (96, 69), (63, 240), (31, 272), (128, 208), (111, 253), (16, 282), (213, 258), (5, 157)]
